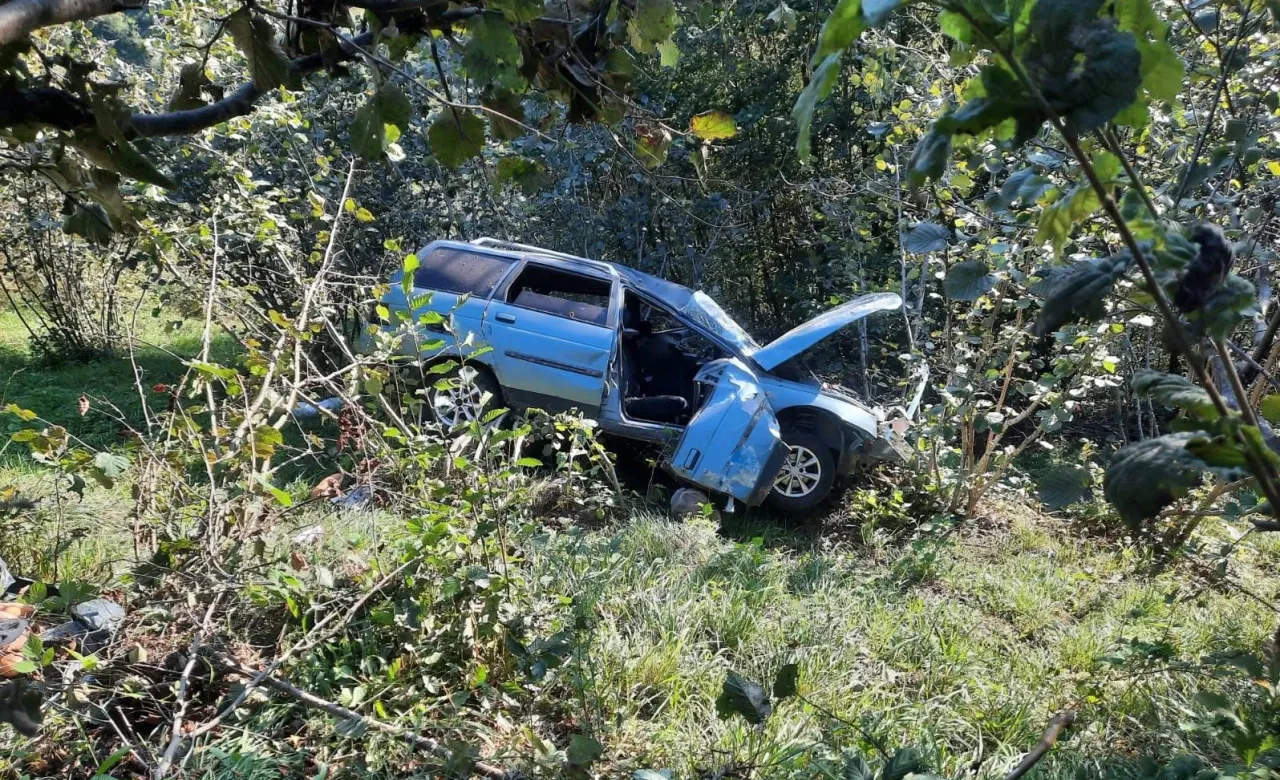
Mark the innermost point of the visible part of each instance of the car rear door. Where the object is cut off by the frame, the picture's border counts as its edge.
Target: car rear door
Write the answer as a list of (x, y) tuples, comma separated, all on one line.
[(732, 445), (552, 329)]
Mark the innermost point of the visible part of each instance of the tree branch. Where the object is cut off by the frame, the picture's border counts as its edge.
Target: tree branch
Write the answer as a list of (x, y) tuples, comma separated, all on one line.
[(1051, 734), (20, 18), (43, 106)]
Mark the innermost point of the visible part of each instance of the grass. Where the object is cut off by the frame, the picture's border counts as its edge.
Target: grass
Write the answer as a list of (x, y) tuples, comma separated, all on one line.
[(964, 641)]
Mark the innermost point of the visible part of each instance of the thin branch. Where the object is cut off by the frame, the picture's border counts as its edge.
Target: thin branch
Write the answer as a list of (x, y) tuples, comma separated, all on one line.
[(1056, 726), (20, 18), (482, 768), (175, 734)]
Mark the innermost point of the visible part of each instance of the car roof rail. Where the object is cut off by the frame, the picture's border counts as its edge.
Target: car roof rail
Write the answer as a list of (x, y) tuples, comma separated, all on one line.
[(499, 243)]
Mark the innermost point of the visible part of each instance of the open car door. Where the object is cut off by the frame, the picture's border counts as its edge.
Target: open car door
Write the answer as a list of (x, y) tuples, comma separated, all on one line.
[(732, 445)]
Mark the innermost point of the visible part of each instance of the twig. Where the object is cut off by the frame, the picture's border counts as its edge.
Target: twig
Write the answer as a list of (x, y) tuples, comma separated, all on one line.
[(175, 737), (428, 744), (1056, 726), (315, 637)]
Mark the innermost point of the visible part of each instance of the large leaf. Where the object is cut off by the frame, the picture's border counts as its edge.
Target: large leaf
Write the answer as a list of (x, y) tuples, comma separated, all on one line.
[(786, 683), (507, 118), (713, 126), (1173, 390), (969, 280), (927, 237), (191, 80), (1063, 486), (906, 761), (91, 222), (583, 751), (380, 121), (1024, 185), (1080, 292), (1162, 70), (1145, 477), (930, 157), (652, 23), (1087, 69), (1058, 220), (652, 144), (819, 86), (256, 38), (456, 136), (518, 11), (1226, 306), (492, 55), (743, 697)]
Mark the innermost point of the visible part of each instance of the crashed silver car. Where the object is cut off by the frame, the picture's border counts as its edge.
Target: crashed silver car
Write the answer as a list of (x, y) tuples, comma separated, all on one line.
[(649, 359)]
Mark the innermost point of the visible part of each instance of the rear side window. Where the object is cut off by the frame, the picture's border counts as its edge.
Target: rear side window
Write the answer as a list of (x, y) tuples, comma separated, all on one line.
[(460, 271), (564, 294)]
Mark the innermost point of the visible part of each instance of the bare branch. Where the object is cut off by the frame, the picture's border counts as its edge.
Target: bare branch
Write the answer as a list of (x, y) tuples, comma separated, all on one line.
[(1051, 734), (20, 18)]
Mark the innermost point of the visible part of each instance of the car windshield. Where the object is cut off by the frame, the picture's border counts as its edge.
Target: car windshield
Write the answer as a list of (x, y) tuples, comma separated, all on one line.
[(708, 314)]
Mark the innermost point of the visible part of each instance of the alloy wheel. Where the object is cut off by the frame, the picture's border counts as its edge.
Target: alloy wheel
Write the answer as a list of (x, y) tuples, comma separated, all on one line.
[(801, 472)]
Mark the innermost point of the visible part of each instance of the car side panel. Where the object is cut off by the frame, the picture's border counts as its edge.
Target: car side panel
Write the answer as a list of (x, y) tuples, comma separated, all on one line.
[(546, 360)]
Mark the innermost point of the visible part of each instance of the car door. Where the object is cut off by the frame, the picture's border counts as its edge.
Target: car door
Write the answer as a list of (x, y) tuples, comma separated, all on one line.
[(552, 329), (732, 445)]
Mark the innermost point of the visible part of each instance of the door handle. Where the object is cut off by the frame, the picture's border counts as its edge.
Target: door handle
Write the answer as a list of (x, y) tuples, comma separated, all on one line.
[(510, 319)]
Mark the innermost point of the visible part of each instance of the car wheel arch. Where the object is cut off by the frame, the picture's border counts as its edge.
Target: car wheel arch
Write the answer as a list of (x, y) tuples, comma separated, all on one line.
[(821, 423)]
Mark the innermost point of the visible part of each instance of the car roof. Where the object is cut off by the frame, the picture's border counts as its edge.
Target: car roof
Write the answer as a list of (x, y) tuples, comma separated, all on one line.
[(656, 287)]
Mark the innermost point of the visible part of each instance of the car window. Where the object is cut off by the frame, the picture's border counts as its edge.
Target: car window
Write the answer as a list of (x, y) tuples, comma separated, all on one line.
[(564, 294), (460, 271)]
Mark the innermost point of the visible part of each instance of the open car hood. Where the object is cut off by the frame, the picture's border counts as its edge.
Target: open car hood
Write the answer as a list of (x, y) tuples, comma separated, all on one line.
[(802, 337)]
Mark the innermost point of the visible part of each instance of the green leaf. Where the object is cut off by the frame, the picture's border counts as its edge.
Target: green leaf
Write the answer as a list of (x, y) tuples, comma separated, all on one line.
[(366, 130), (876, 12), (492, 55), (1063, 486), (739, 696), (1079, 292), (583, 751), (1058, 220), (969, 280), (281, 497), (518, 11), (856, 768), (394, 106), (927, 237), (819, 86), (713, 126), (1144, 478), (192, 79), (906, 761), (784, 16), (525, 173), (1173, 390), (91, 222), (652, 143), (456, 136), (1270, 409), (256, 39), (505, 123), (930, 157), (26, 415), (954, 24), (112, 466), (1162, 69), (668, 53), (841, 29), (1024, 185), (787, 682), (652, 23), (1087, 69), (120, 156), (1226, 306)]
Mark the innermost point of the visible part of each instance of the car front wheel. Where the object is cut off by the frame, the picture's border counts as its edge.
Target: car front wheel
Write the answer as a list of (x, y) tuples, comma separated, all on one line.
[(806, 476), (468, 396)]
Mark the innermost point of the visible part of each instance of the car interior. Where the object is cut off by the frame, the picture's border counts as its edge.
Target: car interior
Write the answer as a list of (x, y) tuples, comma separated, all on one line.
[(569, 295), (659, 359)]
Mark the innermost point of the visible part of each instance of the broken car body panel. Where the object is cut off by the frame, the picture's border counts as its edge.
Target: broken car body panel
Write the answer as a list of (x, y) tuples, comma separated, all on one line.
[(569, 352), (733, 444)]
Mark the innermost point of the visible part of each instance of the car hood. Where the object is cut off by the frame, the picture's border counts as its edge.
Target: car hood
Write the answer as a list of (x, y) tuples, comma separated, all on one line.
[(797, 340)]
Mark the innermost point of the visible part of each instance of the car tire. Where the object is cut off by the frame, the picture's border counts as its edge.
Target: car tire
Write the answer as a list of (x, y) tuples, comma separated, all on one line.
[(807, 474), (473, 394)]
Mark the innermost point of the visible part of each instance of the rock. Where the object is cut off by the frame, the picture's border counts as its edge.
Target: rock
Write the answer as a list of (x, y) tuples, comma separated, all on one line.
[(687, 501), (93, 622)]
